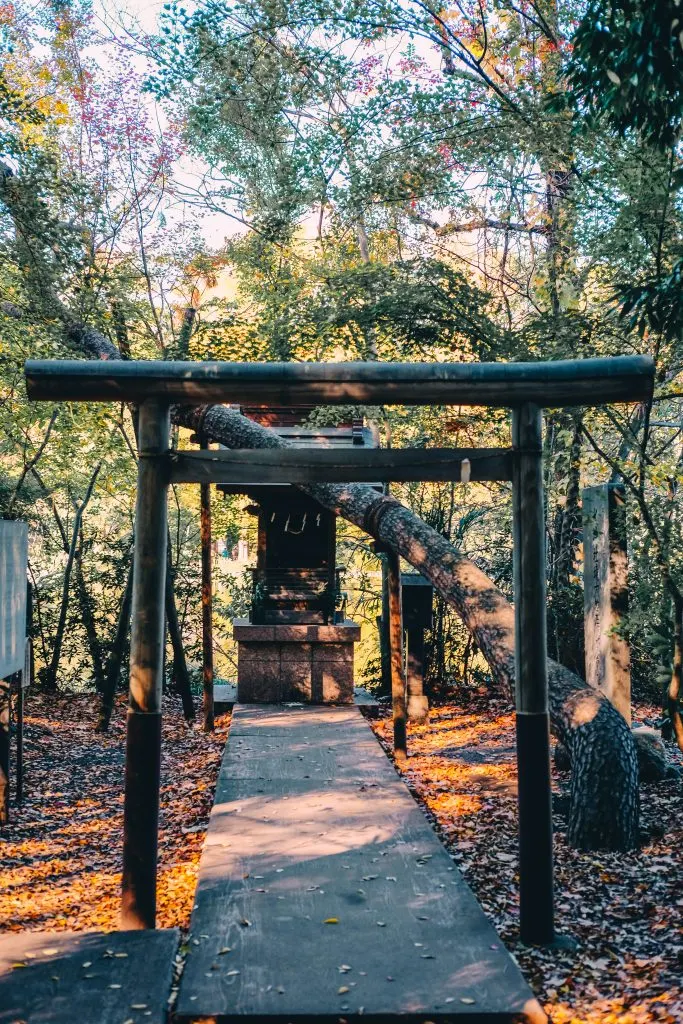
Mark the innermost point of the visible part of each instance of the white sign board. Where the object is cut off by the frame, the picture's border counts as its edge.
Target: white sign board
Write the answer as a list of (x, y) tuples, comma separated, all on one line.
[(13, 563)]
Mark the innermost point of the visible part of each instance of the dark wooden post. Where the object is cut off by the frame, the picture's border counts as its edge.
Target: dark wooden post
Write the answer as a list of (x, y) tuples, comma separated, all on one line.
[(398, 680), (207, 602), (383, 624), (5, 690), (20, 742), (531, 682), (605, 590), (143, 741), (24, 679)]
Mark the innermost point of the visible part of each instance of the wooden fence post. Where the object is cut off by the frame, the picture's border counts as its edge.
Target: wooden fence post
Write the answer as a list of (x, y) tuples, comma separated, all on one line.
[(207, 602), (143, 740), (398, 679), (531, 681)]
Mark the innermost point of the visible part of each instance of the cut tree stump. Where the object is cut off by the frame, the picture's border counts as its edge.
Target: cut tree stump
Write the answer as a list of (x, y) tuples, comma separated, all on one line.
[(324, 893)]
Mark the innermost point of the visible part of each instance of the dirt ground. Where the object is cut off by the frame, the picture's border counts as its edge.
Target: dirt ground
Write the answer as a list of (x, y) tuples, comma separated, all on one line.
[(61, 850)]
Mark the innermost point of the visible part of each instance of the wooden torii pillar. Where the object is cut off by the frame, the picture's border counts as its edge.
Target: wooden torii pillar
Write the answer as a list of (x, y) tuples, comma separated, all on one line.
[(523, 387), (207, 601)]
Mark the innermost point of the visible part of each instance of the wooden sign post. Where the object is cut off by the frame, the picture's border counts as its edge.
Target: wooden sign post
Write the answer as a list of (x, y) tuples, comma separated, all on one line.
[(418, 594), (25, 678), (13, 563), (605, 592)]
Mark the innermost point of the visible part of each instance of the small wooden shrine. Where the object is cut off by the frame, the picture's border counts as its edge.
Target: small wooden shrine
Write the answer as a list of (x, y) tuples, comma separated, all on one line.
[(297, 644)]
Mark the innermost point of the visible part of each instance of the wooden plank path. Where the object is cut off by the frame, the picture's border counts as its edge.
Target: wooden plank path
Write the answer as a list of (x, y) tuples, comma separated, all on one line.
[(86, 978), (324, 894)]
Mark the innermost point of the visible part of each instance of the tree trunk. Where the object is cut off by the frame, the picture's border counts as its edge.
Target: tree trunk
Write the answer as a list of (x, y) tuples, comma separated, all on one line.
[(565, 598), (604, 788), (116, 659), (88, 619), (182, 676), (53, 667)]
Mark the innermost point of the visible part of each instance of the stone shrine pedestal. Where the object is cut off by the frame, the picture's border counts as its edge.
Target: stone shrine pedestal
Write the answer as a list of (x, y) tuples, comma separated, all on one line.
[(298, 662)]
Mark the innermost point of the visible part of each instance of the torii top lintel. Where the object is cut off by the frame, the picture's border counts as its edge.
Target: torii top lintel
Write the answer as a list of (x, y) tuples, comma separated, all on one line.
[(555, 384)]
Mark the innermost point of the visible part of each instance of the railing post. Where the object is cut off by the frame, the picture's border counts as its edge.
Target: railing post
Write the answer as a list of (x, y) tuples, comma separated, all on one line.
[(143, 739), (398, 679), (531, 681), (207, 603)]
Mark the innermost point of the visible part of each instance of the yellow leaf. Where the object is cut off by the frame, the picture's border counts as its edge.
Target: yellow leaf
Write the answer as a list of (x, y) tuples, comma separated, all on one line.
[(331, 920)]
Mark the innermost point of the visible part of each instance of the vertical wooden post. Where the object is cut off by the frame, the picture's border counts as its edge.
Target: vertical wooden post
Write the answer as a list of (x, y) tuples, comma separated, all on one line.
[(20, 743), (418, 705), (383, 624), (24, 678), (143, 740), (207, 603), (605, 590), (398, 680), (5, 691), (531, 681)]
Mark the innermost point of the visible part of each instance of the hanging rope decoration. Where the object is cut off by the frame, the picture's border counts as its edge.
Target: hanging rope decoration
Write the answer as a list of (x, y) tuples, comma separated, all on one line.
[(290, 529), (296, 532)]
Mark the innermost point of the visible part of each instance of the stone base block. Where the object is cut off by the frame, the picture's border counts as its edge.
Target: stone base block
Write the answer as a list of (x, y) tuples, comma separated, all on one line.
[(303, 662)]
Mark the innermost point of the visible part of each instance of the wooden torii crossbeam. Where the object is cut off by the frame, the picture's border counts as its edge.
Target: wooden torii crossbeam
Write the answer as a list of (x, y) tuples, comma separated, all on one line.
[(527, 388)]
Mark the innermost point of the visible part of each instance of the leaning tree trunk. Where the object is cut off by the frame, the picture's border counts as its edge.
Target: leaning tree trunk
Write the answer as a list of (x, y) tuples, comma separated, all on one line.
[(604, 801), (604, 787)]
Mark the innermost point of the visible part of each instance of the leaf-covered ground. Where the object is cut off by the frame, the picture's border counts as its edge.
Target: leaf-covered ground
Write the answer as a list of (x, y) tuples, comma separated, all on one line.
[(625, 910), (61, 852)]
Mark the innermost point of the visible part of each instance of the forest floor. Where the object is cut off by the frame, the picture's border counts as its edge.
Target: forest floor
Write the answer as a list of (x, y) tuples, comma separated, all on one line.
[(624, 910), (61, 855), (61, 851)]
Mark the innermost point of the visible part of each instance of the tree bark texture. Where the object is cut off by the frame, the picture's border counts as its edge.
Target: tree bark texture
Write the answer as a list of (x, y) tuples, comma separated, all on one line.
[(604, 806), (116, 659), (182, 676), (88, 619), (53, 668)]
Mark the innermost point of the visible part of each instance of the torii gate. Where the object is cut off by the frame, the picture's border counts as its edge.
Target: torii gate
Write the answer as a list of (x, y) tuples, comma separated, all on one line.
[(526, 388)]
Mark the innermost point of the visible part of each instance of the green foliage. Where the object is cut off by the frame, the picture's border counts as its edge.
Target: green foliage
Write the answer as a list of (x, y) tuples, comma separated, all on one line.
[(401, 184), (627, 64)]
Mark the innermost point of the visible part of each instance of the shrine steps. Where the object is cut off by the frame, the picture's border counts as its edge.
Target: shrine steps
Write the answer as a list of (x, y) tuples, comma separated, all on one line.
[(325, 895)]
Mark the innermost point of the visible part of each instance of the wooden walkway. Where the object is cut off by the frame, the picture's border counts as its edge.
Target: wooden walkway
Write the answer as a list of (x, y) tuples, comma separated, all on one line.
[(86, 978), (324, 893)]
